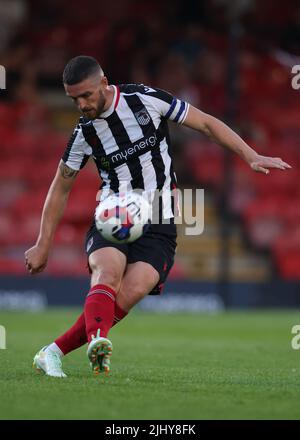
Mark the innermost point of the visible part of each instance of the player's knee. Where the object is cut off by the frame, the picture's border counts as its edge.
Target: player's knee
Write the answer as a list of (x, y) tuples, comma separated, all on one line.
[(132, 293), (109, 277)]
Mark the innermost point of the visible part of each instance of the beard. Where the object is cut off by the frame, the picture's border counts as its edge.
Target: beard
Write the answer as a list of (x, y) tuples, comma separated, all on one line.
[(92, 112)]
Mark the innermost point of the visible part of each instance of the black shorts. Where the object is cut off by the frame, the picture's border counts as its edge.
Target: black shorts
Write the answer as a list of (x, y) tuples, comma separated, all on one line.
[(156, 247)]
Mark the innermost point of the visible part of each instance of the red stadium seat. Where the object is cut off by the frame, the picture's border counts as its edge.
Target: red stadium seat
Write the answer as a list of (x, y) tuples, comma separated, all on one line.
[(177, 272), (205, 162), (263, 220), (81, 206), (242, 191), (286, 251), (40, 174), (68, 234), (67, 260), (29, 204), (6, 227), (12, 267), (291, 213), (277, 183), (289, 265)]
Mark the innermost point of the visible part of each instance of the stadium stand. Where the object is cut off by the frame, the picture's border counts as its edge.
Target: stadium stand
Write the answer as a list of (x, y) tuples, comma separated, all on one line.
[(36, 120)]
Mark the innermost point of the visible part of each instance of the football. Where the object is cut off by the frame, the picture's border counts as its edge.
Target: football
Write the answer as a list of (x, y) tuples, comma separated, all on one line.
[(123, 218)]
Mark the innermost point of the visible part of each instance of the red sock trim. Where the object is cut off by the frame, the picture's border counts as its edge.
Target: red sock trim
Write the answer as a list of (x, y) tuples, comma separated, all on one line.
[(102, 289), (99, 310)]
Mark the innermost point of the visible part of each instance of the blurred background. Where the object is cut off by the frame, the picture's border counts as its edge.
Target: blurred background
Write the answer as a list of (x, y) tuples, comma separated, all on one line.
[(232, 59)]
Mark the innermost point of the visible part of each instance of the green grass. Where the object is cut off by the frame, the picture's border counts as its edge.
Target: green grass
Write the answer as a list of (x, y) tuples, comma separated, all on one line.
[(187, 366)]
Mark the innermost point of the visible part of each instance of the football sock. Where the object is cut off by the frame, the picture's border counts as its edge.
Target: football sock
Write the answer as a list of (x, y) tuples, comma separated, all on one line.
[(54, 347), (99, 310), (119, 314), (74, 338)]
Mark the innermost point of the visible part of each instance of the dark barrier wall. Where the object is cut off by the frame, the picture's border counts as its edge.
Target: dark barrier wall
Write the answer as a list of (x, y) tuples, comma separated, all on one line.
[(16, 292)]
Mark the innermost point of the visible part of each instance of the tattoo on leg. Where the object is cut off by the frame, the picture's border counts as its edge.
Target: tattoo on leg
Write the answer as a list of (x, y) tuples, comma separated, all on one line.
[(67, 172)]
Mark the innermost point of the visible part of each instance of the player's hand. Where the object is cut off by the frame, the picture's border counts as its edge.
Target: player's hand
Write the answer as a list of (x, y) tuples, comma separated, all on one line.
[(262, 164), (36, 259)]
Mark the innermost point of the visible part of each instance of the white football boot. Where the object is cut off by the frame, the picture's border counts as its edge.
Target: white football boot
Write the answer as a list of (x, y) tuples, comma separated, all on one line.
[(48, 362), (99, 352)]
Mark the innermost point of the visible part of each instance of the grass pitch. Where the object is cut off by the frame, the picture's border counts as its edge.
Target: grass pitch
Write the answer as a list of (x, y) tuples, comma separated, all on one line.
[(184, 366)]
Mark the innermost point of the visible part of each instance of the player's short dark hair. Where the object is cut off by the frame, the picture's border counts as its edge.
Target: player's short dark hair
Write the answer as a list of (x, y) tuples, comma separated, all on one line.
[(79, 69)]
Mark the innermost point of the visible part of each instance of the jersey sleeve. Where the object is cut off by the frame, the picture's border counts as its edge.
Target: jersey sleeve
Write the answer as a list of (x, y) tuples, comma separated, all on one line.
[(77, 151), (168, 106)]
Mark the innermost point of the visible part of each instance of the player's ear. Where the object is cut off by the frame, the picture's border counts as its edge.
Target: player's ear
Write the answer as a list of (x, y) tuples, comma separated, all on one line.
[(104, 81)]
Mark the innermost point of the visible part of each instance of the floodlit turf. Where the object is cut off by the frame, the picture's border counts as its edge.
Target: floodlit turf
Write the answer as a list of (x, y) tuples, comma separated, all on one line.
[(192, 366)]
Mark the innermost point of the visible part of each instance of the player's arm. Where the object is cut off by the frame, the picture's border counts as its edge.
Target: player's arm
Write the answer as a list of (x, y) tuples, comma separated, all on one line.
[(54, 206), (220, 133)]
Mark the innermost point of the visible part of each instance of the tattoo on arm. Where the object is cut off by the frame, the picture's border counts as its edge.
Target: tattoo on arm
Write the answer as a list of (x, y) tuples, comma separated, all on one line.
[(66, 172)]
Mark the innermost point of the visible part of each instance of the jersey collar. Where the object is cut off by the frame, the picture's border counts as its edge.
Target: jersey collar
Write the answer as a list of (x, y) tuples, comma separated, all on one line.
[(114, 103)]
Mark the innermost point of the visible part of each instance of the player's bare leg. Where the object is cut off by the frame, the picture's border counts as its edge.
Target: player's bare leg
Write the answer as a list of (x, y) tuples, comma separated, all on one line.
[(76, 335), (108, 266), (139, 279)]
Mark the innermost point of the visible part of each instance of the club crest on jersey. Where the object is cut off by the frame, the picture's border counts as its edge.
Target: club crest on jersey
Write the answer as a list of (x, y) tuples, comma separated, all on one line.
[(142, 117)]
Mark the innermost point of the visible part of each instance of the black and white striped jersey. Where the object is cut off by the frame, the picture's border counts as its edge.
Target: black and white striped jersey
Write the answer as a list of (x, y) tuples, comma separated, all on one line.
[(130, 142)]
